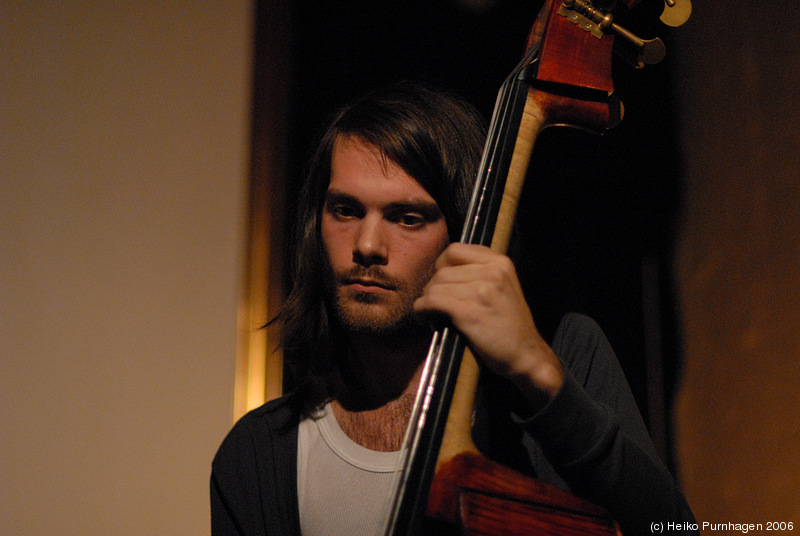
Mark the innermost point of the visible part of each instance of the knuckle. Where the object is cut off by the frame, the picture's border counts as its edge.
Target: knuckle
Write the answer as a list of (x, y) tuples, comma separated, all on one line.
[(484, 291), (493, 273), (506, 264)]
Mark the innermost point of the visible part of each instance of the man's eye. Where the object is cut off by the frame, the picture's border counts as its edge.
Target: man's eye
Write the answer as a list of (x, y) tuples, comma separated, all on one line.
[(411, 220), (343, 211)]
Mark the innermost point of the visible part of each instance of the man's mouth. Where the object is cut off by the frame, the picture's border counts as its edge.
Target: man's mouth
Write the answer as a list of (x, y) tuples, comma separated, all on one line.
[(368, 285)]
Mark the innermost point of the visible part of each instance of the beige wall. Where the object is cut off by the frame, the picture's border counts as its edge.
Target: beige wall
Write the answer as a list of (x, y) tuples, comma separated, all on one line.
[(739, 263), (124, 130)]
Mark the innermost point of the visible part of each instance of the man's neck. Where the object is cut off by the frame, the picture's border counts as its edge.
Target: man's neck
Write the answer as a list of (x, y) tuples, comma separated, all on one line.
[(375, 397), (380, 429)]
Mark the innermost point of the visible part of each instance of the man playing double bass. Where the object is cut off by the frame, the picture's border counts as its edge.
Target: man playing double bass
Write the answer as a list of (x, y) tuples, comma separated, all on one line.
[(375, 265)]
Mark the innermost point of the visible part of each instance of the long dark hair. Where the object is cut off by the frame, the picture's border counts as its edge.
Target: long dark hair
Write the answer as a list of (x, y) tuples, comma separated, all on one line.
[(435, 138)]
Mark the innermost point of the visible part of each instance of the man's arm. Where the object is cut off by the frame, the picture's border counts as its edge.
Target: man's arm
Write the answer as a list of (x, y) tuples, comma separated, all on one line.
[(593, 434), (579, 409)]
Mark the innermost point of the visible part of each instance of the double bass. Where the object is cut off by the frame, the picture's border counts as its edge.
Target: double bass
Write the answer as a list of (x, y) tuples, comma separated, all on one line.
[(564, 78)]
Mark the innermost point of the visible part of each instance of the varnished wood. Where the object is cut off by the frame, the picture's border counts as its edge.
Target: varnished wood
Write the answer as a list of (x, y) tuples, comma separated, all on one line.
[(573, 57), (484, 497)]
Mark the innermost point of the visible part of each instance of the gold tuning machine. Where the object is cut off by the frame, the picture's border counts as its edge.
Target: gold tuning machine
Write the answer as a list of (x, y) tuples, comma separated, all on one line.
[(591, 19)]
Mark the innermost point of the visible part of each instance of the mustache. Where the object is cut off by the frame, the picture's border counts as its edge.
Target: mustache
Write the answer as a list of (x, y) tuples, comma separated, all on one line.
[(373, 274)]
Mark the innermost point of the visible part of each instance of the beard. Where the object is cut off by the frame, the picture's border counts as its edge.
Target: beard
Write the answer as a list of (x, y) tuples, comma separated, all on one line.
[(367, 313)]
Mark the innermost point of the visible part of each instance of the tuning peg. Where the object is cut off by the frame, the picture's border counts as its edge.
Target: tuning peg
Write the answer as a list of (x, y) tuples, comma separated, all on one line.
[(583, 13), (648, 51), (676, 12)]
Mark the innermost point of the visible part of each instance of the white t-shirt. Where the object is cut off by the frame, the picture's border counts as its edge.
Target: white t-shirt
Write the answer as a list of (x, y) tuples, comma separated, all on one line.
[(343, 488)]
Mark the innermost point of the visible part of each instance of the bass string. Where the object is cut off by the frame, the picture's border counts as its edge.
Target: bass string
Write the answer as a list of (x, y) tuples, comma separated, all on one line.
[(475, 230)]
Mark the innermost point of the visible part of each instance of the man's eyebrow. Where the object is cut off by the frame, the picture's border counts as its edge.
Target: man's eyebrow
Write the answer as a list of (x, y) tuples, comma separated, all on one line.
[(335, 196), (430, 208)]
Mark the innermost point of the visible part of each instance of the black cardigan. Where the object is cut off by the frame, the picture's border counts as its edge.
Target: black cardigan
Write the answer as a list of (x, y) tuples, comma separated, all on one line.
[(589, 440)]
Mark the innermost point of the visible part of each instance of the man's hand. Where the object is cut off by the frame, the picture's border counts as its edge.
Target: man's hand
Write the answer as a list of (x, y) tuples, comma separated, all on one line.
[(479, 291)]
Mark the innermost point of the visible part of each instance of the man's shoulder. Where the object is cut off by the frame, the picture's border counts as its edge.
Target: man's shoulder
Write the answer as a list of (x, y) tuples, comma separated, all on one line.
[(577, 324), (274, 410), (254, 471), (579, 341), (263, 427), (276, 415)]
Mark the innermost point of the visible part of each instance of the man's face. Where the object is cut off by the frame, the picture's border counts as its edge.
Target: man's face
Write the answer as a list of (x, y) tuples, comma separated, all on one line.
[(382, 233)]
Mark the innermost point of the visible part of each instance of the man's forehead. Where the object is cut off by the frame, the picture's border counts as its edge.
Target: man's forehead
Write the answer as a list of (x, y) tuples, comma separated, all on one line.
[(346, 144), (358, 166)]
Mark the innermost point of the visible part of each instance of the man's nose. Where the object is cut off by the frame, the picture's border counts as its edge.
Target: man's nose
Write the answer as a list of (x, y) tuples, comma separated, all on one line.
[(370, 244)]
